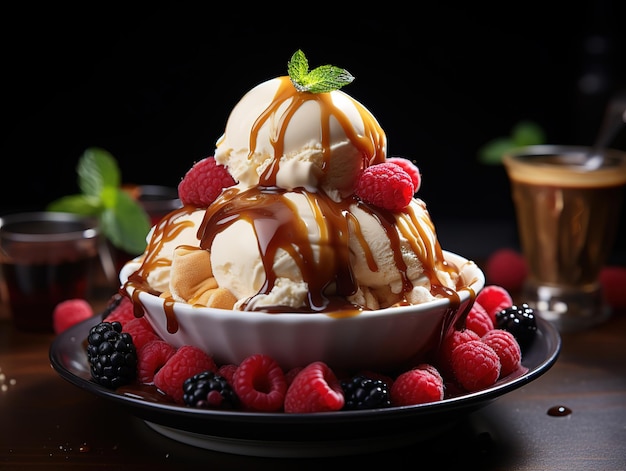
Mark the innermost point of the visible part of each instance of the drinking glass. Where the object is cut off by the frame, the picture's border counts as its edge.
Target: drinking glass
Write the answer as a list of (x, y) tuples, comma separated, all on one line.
[(567, 201)]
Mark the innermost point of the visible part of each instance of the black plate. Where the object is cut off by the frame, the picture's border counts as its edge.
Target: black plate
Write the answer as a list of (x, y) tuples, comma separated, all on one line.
[(319, 434)]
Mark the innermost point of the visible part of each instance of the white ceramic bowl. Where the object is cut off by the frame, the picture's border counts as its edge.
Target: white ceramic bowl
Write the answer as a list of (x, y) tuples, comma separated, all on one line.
[(381, 339)]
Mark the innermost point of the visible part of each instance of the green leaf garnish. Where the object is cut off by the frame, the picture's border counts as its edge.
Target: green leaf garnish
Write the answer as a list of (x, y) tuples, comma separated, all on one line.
[(322, 79), (123, 221), (524, 133)]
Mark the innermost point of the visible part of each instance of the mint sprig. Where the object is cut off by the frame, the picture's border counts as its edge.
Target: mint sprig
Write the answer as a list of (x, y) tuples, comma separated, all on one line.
[(123, 221), (322, 79), (524, 133)]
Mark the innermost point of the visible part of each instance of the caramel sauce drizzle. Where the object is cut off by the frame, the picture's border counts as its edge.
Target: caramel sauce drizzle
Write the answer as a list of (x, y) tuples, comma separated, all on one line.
[(278, 226)]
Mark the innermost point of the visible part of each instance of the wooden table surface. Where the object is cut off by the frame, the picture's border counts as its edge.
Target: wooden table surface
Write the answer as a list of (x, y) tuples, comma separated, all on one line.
[(48, 423)]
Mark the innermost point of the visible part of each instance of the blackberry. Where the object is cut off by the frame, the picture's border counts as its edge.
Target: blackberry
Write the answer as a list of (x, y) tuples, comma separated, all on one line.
[(520, 321), (361, 392), (209, 390), (112, 355)]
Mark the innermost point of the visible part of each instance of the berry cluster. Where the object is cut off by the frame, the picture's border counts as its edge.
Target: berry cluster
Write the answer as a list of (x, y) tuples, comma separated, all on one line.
[(485, 350)]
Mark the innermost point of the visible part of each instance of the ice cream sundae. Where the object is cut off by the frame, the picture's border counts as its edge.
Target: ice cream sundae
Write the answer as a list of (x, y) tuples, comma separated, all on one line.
[(299, 210)]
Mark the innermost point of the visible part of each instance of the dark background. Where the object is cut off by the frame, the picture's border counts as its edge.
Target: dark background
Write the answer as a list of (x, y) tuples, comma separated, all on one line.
[(154, 86)]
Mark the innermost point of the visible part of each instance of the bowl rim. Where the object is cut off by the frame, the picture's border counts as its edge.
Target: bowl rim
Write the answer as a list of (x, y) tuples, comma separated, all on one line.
[(474, 285)]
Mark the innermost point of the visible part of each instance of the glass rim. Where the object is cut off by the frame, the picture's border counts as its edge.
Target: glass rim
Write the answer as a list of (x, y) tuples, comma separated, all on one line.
[(87, 227)]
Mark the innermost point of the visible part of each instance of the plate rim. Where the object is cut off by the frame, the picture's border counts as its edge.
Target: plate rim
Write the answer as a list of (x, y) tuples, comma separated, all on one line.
[(191, 419)]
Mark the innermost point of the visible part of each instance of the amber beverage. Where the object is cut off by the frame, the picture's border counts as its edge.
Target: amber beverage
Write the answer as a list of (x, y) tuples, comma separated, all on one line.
[(567, 205), (45, 258)]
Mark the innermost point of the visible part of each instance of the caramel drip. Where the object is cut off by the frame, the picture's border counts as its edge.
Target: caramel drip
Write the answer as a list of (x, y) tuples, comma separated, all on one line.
[(371, 144)]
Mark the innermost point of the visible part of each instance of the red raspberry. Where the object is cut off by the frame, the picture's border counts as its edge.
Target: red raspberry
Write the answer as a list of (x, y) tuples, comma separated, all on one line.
[(505, 345), (141, 331), (315, 389), (475, 365), (260, 383), (123, 313), (228, 372), (452, 341), (385, 185), (410, 168), (478, 320), (494, 298), (419, 385), (70, 312), (186, 362), (613, 281), (506, 268), (292, 373), (151, 357), (204, 182)]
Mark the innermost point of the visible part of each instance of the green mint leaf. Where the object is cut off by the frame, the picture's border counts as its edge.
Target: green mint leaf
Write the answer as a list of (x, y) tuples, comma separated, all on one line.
[(126, 224), (491, 153), (97, 169), (322, 79), (527, 133), (79, 204), (524, 133)]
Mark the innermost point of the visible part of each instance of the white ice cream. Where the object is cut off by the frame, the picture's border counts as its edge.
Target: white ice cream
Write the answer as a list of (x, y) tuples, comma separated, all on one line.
[(291, 235)]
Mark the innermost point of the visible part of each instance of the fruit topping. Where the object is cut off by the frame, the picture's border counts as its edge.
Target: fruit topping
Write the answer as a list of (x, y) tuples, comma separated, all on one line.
[(419, 385), (314, 389), (494, 298), (260, 383), (209, 390), (361, 392), (385, 185), (203, 182), (112, 355), (520, 321)]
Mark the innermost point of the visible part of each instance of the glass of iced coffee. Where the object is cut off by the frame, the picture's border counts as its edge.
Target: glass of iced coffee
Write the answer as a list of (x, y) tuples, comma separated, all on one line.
[(567, 201)]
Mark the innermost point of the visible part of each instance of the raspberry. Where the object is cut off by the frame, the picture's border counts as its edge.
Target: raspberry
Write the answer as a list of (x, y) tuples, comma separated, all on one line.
[(506, 268), (186, 362), (494, 298), (122, 313), (613, 280), (456, 338), (507, 348), (478, 320), (228, 372), (314, 389), (385, 185), (141, 331), (410, 168), (292, 373), (260, 383), (203, 182), (152, 356), (475, 365), (419, 385), (70, 312)]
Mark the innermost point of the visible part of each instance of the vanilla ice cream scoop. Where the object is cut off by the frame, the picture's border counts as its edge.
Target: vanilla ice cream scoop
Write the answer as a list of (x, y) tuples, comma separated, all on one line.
[(278, 136)]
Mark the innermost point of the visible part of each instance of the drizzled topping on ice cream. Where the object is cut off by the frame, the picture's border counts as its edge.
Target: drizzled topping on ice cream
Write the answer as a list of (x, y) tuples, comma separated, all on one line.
[(291, 235)]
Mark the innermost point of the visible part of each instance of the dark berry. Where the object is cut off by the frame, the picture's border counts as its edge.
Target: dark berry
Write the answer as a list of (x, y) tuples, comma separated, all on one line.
[(520, 321), (209, 390), (361, 392), (112, 355)]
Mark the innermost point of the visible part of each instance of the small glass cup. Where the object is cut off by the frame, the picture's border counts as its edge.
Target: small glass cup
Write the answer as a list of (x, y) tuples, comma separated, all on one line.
[(45, 258), (567, 205)]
